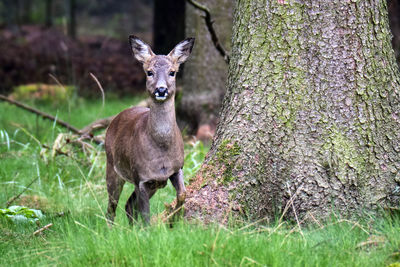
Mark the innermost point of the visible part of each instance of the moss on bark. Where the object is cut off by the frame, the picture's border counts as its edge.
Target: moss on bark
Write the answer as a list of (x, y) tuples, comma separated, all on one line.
[(313, 103)]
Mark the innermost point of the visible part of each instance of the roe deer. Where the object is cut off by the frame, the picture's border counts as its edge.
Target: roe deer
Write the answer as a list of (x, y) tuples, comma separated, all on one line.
[(144, 146)]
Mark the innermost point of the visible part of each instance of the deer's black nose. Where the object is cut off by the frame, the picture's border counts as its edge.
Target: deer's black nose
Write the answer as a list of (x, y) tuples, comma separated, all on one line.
[(161, 91)]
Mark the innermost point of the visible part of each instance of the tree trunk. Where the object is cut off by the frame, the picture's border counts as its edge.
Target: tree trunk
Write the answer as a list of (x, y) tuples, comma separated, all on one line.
[(311, 113), (10, 14), (26, 12), (72, 19), (49, 13), (169, 24), (18, 12), (205, 73)]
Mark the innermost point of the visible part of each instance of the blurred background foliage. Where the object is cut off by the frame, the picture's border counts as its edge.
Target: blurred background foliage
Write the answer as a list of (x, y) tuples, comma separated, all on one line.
[(70, 39), (60, 42)]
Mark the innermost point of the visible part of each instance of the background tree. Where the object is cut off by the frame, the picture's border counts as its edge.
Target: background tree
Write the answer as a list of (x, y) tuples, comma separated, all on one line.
[(49, 13), (311, 113), (168, 25), (204, 86), (26, 11), (72, 18)]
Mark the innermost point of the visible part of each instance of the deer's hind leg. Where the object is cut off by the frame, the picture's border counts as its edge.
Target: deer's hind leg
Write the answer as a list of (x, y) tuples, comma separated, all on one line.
[(114, 189)]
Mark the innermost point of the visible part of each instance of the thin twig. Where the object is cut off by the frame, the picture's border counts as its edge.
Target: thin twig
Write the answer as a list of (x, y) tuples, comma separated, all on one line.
[(253, 223), (57, 81), (211, 30), (276, 228), (294, 210), (173, 213), (356, 224), (23, 191), (42, 229), (288, 204), (314, 219), (100, 87)]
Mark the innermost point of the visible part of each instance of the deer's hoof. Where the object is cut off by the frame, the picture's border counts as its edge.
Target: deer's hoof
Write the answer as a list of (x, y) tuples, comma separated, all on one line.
[(182, 197)]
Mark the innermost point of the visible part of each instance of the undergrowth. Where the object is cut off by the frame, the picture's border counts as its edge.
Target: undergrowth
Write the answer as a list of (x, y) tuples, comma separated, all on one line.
[(69, 189)]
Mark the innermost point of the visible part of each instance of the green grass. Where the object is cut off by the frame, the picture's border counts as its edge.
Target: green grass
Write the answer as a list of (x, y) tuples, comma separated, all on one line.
[(71, 193)]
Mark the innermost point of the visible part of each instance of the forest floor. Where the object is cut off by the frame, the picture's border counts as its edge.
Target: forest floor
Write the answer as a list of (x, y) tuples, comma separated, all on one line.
[(67, 184)]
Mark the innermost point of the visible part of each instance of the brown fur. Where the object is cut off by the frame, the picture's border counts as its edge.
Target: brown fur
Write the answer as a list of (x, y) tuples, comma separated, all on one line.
[(144, 145)]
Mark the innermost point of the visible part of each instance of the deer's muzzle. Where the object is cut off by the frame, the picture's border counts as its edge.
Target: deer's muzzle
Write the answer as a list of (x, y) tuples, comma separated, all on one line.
[(161, 93)]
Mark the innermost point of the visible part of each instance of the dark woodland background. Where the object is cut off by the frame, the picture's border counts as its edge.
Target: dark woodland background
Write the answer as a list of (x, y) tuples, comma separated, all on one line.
[(70, 39)]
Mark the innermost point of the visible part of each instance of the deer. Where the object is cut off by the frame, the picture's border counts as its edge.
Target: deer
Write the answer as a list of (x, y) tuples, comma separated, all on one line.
[(144, 146)]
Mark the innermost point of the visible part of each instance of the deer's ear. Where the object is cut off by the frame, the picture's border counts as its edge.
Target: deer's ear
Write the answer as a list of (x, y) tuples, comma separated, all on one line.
[(140, 49), (182, 51)]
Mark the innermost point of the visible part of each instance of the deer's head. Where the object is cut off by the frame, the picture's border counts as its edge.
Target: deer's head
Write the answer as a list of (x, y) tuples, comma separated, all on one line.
[(161, 70)]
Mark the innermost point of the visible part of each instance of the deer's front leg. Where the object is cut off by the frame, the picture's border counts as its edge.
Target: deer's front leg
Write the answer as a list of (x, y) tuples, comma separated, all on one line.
[(131, 206), (144, 201), (178, 183)]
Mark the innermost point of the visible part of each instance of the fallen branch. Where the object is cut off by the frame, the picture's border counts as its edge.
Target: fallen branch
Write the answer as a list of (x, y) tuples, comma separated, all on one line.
[(40, 113), (209, 23), (96, 125), (85, 133)]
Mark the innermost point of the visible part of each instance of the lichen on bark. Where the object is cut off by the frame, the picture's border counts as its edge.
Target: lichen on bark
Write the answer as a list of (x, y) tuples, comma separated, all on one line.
[(313, 104)]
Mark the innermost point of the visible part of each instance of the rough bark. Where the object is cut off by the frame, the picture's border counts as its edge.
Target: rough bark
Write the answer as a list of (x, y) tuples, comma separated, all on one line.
[(205, 75), (311, 113)]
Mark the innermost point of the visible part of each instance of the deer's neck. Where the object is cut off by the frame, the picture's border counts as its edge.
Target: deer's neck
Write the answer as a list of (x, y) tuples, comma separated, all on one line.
[(162, 122)]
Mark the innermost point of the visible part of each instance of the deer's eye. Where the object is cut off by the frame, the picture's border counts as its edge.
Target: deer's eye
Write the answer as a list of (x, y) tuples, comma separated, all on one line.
[(150, 73), (172, 73)]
